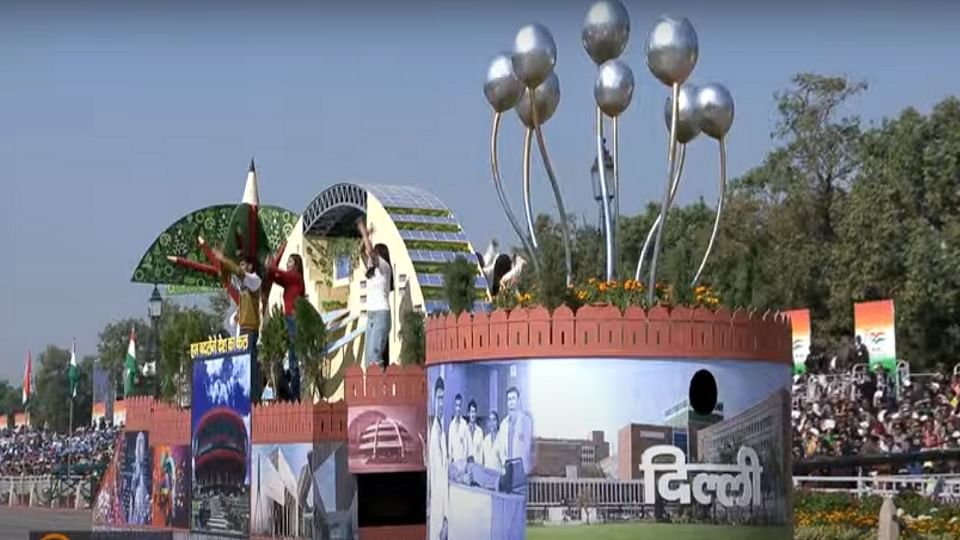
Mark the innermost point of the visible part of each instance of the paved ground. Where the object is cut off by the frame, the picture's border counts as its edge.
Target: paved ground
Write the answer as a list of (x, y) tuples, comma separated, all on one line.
[(16, 523)]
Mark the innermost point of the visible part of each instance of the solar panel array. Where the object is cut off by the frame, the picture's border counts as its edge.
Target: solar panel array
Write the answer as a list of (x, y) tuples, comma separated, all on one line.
[(434, 236), (436, 280), (441, 306), (439, 257), (417, 218), (406, 197)]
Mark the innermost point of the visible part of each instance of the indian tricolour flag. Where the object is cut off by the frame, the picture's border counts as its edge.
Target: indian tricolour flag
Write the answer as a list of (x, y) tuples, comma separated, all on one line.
[(27, 379), (73, 371)]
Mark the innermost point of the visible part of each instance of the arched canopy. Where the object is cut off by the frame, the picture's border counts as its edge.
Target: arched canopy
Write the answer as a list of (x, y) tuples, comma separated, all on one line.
[(180, 240), (334, 211)]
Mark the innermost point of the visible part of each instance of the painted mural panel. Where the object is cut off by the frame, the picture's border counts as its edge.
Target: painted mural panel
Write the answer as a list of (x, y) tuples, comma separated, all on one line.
[(386, 438), (135, 478), (106, 507), (171, 486), (639, 448), (220, 425), (303, 490)]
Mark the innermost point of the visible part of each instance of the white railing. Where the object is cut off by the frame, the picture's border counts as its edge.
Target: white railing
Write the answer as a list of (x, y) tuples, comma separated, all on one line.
[(45, 491), (942, 486)]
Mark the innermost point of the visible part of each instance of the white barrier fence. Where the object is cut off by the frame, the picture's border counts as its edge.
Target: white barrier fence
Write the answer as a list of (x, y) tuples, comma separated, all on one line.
[(46, 491), (945, 487)]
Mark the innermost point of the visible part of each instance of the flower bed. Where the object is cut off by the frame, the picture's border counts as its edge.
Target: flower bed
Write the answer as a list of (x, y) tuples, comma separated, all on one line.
[(840, 516), (621, 294)]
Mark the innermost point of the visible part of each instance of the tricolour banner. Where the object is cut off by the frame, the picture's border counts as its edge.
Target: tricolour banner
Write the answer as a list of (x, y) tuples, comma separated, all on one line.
[(800, 323), (874, 325)]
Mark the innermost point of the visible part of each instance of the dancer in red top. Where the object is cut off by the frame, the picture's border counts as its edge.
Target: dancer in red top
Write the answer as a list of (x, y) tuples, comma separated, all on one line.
[(291, 280)]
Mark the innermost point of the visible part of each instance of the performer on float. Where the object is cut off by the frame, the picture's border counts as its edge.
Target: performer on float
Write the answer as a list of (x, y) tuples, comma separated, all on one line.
[(291, 280), (247, 282), (379, 275)]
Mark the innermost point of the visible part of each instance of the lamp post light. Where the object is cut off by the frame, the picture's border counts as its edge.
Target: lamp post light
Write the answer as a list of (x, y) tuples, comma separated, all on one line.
[(155, 310)]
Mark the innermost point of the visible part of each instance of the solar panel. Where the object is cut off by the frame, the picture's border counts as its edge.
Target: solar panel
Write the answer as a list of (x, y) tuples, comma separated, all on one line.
[(436, 280), (416, 218), (433, 236), (432, 256), (405, 197), (442, 306)]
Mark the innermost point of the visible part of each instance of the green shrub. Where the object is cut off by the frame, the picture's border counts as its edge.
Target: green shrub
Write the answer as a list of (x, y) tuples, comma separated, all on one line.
[(413, 348), (458, 284)]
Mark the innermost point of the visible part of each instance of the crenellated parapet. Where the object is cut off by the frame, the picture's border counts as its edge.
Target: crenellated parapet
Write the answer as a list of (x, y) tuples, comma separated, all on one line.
[(605, 332)]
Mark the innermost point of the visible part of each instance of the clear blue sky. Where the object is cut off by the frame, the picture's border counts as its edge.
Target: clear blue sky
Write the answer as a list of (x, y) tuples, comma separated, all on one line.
[(116, 119)]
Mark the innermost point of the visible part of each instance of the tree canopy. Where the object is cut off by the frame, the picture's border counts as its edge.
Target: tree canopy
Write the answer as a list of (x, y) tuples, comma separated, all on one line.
[(836, 213)]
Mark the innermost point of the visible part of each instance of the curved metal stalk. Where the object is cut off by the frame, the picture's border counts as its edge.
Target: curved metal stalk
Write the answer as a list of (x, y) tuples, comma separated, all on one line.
[(665, 205), (681, 160), (498, 185), (564, 222), (527, 206), (604, 193), (716, 220), (618, 247)]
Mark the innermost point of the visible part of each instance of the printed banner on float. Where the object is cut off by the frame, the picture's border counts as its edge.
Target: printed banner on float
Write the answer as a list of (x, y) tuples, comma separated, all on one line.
[(874, 324), (800, 322), (638, 435)]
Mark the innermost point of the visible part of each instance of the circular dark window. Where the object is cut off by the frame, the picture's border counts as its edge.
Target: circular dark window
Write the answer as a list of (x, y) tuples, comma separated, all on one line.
[(703, 392)]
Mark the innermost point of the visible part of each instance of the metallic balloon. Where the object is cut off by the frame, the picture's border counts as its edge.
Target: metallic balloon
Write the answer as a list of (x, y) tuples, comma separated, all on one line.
[(688, 117), (614, 87), (672, 50), (606, 30), (502, 88), (534, 54), (716, 110), (547, 96)]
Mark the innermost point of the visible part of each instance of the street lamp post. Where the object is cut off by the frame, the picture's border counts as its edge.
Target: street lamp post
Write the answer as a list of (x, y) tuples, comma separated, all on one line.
[(598, 189), (155, 310)]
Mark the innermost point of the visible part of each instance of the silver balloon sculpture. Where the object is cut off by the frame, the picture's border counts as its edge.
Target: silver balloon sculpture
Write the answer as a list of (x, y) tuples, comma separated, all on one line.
[(502, 90), (534, 57), (716, 117), (671, 51), (525, 80), (688, 127), (606, 32)]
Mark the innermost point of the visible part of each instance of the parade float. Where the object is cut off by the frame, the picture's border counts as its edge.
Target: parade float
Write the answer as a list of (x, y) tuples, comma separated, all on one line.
[(624, 410), (620, 408)]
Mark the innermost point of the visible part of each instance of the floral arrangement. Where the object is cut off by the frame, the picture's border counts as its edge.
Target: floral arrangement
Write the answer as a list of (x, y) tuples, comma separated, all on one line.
[(621, 294), (844, 516)]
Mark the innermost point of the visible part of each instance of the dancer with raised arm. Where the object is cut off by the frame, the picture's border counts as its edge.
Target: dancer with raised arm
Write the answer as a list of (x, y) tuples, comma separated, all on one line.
[(379, 275), (291, 280)]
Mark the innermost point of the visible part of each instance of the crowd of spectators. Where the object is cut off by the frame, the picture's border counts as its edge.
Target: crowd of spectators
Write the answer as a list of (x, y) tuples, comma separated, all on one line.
[(839, 414), (31, 451)]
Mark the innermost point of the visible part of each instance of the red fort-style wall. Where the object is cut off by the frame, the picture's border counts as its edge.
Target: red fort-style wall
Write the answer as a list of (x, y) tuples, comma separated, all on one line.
[(605, 332)]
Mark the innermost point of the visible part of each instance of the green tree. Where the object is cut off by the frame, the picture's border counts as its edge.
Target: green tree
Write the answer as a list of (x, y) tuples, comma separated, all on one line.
[(413, 348), (459, 277), (51, 401), (113, 342), (178, 330), (899, 230), (11, 401), (273, 346), (309, 343)]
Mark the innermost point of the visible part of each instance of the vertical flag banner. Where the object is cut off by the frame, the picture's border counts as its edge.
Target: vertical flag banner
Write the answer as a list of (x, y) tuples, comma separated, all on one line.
[(27, 379), (130, 365), (874, 324), (800, 323), (73, 371)]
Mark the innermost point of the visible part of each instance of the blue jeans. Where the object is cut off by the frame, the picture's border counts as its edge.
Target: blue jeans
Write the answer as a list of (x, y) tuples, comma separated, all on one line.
[(256, 388), (292, 355), (378, 331)]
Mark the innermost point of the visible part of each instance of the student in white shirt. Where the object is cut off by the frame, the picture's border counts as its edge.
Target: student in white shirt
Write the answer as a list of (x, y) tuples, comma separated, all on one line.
[(491, 450), (379, 284), (437, 467), (474, 434), (457, 434)]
